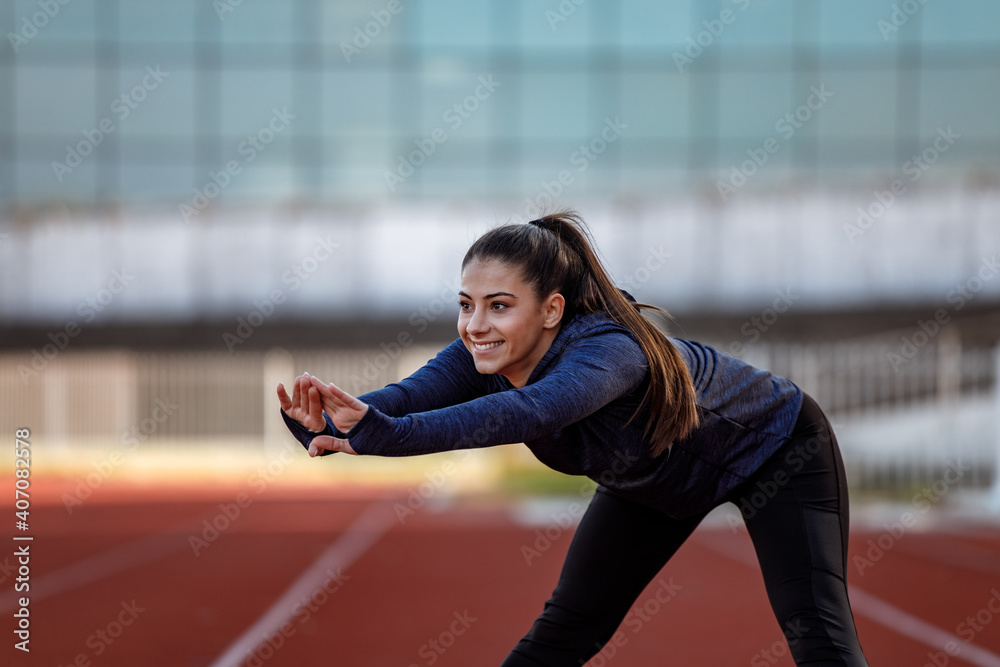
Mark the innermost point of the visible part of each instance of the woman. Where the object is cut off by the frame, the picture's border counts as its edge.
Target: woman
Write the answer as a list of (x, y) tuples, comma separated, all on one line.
[(552, 354)]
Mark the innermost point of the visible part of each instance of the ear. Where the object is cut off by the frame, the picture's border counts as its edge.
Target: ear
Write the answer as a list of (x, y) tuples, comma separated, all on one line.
[(553, 308)]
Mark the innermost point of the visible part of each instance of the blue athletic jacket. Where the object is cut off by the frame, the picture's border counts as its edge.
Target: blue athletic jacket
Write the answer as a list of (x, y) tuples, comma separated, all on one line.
[(572, 415)]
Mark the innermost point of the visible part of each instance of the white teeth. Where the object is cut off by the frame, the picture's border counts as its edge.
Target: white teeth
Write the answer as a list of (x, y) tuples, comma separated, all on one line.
[(487, 346)]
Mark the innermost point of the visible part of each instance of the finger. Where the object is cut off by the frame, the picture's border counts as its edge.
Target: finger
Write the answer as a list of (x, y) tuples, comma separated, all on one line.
[(283, 398), (302, 390), (334, 392), (316, 421)]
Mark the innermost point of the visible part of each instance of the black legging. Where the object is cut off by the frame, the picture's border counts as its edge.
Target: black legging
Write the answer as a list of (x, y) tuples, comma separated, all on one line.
[(795, 509)]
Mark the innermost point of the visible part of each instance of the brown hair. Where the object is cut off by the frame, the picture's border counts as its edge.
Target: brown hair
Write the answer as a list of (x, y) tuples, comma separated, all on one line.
[(555, 254)]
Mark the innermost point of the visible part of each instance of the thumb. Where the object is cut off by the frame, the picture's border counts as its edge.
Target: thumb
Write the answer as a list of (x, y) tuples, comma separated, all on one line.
[(328, 443)]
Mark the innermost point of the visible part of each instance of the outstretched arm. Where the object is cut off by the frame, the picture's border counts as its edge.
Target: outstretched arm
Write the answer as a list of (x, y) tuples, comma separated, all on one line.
[(594, 372)]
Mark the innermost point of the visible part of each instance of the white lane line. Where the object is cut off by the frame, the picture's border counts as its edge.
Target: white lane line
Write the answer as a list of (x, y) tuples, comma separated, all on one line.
[(910, 626), (100, 566), (871, 607), (359, 537)]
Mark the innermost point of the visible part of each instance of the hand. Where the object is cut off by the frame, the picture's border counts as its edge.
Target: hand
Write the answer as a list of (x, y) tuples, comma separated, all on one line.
[(305, 405), (344, 410)]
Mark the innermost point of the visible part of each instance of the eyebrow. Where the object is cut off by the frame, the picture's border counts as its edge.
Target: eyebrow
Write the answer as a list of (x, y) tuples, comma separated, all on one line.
[(489, 296)]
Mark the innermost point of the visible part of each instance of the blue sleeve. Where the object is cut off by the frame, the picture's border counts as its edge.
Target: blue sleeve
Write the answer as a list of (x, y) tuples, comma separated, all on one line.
[(447, 379), (590, 373)]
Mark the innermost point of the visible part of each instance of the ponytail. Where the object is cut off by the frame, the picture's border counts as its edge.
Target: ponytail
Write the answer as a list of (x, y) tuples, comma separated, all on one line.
[(555, 254)]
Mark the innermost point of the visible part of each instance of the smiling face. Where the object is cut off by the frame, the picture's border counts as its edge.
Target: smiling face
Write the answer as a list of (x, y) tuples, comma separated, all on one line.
[(502, 321)]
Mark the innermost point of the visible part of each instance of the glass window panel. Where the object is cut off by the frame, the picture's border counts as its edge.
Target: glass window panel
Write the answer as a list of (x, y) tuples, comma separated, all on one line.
[(352, 34), (639, 154), (36, 181), (967, 100), (733, 154), (543, 26), (767, 23), (153, 149), (653, 24), (72, 21), (157, 21), (358, 101), (555, 168), (751, 104), (554, 104), (148, 107), (970, 22), (275, 179), (248, 55), (452, 23), (854, 21), (460, 101), (863, 104), (168, 182), (6, 99), (250, 97), (372, 157), (6, 178), (167, 55), (858, 157), (56, 99), (352, 183), (655, 104), (259, 22)]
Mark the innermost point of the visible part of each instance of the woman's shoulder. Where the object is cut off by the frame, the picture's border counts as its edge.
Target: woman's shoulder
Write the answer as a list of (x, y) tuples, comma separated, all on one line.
[(597, 333)]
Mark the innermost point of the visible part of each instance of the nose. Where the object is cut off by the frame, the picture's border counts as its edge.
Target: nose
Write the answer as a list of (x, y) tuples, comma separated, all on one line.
[(478, 324)]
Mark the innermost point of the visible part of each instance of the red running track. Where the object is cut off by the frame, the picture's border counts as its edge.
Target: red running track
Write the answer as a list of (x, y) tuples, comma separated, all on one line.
[(124, 583)]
